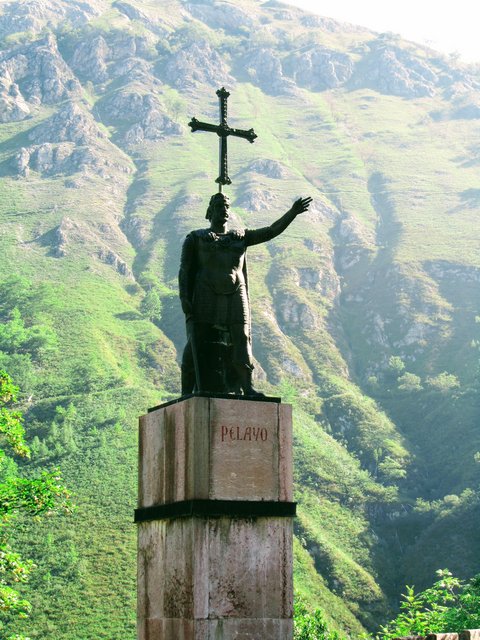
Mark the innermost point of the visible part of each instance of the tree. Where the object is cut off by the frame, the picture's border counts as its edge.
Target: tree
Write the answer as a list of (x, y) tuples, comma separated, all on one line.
[(311, 625), (409, 382), (42, 495), (151, 305), (449, 605), (444, 382), (396, 367)]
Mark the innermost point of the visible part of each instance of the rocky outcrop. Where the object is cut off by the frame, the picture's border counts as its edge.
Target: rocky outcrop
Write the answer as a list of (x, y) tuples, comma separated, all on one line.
[(256, 200), (395, 71), (109, 257), (68, 142), (31, 75), (21, 163), (224, 15), (71, 124), (144, 114), (294, 314), (124, 54), (71, 232), (353, 242), (263, 67), (59, 159), (269, 168), (13, 106), (323, 280), (197, 63), (34, 15), (319, 68), (90, 59), (155, 24)]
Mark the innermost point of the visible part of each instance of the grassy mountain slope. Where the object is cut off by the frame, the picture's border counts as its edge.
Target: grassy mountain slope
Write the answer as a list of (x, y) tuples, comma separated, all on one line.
[(359, 308)]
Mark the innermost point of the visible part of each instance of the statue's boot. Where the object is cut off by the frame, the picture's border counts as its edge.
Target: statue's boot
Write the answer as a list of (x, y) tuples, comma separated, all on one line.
[(245, 374)]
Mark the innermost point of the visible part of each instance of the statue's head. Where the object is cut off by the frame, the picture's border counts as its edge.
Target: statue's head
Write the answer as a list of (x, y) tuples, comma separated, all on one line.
[(216, 200)]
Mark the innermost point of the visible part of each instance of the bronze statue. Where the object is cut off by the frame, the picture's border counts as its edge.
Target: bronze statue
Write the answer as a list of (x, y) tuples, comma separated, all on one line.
[(214, 295), (214, 286)]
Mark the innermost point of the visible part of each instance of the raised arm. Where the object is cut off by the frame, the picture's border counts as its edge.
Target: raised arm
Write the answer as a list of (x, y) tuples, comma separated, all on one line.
[(256, 236)]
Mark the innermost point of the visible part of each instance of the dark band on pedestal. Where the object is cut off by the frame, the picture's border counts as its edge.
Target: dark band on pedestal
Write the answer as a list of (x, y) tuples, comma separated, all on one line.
[(217, 509)]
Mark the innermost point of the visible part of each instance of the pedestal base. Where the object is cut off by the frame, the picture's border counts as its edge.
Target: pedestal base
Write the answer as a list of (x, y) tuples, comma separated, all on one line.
[(215, 578), (215, 526)]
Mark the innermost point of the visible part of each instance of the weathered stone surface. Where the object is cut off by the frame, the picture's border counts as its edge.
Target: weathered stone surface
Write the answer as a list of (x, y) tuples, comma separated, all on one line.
[(90, 59), (442, 636), (197, 63), (395, 71), (41, 72), (470, 634), (211, 448), (319, 68), (223, 15), (256, 200), (144, 112), (269, 168), (34, 15), (264, 68), (71, 124), (202, 577)]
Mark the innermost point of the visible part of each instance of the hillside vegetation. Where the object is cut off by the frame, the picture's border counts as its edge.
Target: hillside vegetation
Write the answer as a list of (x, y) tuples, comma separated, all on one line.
[(366, 312)]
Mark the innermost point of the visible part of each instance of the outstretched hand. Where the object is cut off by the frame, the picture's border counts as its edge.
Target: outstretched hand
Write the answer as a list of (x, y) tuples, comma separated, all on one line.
[(301, 205)]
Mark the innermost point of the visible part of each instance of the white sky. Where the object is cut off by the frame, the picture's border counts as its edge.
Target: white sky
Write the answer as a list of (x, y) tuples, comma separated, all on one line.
[(442, 24)]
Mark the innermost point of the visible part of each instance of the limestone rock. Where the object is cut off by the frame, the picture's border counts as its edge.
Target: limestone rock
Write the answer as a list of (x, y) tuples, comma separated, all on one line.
[(395, 71), (130, 11), (132, 67), (70, 124), (197, 63), (71, 232), (324, 280), (144, 112), (137, 230), (319, 68), (89, 59), (256, 200), (59, 159), (71, 141), (110, 257), (326, 24), (354, 242), (269, 168), (34, 15), (224, 15), (154, 24), (13, 106), (264, 68), (42, 74), (292, 313), (21, 162)]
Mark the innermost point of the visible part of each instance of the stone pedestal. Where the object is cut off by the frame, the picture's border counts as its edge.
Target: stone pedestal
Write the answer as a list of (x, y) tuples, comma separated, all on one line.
[(215, 521)]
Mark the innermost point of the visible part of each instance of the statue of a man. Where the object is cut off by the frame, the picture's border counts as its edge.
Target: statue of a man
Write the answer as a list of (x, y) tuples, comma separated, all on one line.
[(214, 295)]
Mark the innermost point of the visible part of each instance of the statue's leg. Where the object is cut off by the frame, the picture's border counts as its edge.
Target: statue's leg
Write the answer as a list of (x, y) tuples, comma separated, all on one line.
[(188, 370), (243, 359)]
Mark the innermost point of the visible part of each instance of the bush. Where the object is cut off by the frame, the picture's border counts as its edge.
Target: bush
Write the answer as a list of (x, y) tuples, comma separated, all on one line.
[(311, 625)]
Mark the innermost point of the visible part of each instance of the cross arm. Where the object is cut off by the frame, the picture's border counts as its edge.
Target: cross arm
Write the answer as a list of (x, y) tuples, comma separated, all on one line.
[(248, 134), (196, 125)]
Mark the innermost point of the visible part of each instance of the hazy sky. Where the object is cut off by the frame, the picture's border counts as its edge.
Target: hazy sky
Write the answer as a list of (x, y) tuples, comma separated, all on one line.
[(446, 26)]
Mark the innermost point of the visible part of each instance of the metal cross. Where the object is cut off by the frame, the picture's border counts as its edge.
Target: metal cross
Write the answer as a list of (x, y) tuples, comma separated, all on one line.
[(223, 131)]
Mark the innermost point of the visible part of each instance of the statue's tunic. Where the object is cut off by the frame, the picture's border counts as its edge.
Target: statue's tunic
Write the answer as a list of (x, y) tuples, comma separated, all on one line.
[(213, 280)]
